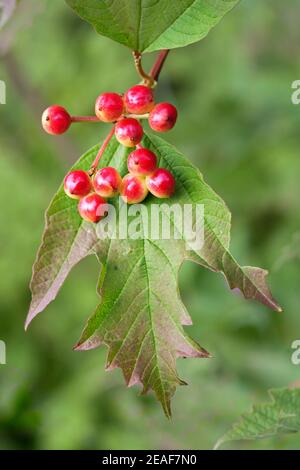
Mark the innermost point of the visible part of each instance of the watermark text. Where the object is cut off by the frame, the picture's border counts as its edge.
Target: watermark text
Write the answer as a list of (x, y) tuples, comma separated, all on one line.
[(2, 92), (155, 222), (2, 352), (295, 358)]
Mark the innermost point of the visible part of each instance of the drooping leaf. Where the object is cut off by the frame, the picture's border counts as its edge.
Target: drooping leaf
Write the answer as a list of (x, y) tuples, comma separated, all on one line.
[(147, 25), (279, 416), (140, 316)]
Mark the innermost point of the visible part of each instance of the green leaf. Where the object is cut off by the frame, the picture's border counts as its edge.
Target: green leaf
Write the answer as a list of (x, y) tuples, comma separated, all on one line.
[(280, 416), (140, 316), (147, 25)]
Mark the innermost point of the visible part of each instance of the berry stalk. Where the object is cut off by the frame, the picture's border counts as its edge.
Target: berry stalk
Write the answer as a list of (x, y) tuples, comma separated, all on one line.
[(101, 151), (137, 116), (84, 119), (96, 119), (148, 80)]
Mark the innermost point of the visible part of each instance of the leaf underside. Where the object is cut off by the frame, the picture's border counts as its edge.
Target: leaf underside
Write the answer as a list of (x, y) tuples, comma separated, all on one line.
[(140, 316), (279, 416), (150, 25)]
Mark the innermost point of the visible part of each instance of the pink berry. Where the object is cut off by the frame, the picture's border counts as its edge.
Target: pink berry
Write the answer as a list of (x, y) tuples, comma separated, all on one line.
[(163, 117), (107, 182), (56, 120), (133, 189), (92, 207), (139, 99), (77, 184), (161, 184), (129, 132), (109, 107), (141, 162)]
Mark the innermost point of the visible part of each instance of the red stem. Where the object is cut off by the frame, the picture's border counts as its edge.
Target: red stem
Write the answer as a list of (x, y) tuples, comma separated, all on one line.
[(101, 151), (158, 64), (84, 119)]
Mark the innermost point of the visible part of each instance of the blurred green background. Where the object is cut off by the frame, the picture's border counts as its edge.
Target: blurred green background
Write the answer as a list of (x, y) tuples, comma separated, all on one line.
[(238, 125)]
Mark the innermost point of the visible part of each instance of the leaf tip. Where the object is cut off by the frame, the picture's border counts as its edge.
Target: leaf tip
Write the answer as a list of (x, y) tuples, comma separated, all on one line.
[(28, 320), (205, 354), (167, 410), (86, 345), (77, 347), (251, 282), (218, 444)]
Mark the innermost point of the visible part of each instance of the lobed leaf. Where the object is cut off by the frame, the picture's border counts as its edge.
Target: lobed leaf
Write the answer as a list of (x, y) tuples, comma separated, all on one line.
[(140, 316)]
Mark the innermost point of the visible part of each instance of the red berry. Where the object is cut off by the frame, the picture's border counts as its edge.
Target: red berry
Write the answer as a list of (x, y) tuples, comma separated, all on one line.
[(107, 182), (77, 184), (141, 162), (109, 107), (133, 189), (92, 207), (163, 117), (56, 120), (161, 184), (139, 99), (129, 132)]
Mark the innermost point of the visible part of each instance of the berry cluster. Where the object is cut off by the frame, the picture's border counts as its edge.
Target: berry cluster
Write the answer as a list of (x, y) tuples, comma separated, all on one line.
[(94, 187), (112, 107), (143, 177)]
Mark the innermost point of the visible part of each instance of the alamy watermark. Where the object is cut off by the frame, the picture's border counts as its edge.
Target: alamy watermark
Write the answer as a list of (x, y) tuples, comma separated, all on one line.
[(2, 352), (154, 221), (295, 97), (2, 92), (295, 358)]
